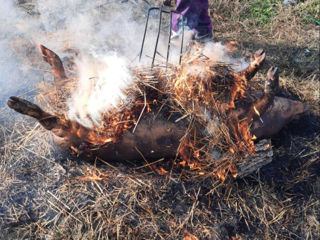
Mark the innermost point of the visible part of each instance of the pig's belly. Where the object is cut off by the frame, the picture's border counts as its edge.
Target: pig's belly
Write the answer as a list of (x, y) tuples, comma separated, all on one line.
[(152, 139), (159, 139)]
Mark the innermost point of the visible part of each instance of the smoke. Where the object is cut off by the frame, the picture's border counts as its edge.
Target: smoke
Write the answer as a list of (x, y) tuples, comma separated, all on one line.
[(13, 76), (96, 29), (218, 52), (106, 35), (100, 88)]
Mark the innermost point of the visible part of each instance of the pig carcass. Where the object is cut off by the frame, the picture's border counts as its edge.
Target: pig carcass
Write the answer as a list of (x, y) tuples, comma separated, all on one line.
[(158, 132)]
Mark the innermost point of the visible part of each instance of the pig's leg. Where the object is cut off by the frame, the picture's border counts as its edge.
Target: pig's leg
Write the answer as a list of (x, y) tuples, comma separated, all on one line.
[(240, 119), (262, 104), (55, 63), (65, 131), (256, 62), (240, 80), (59, 126), (25, 107)]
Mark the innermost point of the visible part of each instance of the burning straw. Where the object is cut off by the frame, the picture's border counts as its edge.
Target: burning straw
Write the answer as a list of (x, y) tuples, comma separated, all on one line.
[(210, 98)]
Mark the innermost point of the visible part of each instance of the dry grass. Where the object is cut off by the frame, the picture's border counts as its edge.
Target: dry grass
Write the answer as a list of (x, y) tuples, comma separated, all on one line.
[(43, 198)]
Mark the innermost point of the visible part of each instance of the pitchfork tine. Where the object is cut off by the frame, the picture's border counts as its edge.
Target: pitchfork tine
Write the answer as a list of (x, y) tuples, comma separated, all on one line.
[(169, 41), (182, 39), (157, 41), (161, 11), (145, 31)]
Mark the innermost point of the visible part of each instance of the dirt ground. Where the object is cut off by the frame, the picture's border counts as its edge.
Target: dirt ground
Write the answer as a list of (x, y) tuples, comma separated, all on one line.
[(42, 195)]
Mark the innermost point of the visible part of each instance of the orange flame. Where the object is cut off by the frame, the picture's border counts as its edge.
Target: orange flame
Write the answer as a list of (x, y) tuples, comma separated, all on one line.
[(93, 176), (256, 111), (219, 17), (194, 90), (161, 171), (232, 46), (189, 236)]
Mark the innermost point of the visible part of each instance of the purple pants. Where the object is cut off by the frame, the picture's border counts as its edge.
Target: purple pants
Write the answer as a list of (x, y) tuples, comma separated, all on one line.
[(196, 15)]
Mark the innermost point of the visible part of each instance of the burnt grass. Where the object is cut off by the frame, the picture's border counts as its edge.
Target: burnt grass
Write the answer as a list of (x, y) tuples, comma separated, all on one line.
[(43, 197), (47, 199)]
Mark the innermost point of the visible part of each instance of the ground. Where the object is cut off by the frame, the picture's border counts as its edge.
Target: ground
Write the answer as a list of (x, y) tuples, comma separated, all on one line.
[(43, 196)]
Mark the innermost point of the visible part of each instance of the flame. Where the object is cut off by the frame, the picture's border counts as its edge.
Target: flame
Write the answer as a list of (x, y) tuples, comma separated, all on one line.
[(189, 155), (237, 238), (233, 170), (74, 149), (193, 90), (237, 89), (114, 125), (256, 111), (100, 89), (232, 46), (182, 163), (93, 176), (161, 171), (189, 236), (219, 17), (222, 173)]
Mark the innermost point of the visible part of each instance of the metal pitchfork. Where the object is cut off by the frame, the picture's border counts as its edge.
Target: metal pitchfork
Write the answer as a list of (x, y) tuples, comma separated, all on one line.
[(163, 9)]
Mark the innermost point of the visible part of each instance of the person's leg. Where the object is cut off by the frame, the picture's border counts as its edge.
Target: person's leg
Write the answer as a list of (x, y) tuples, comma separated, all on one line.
[(204, 25), (196, 14), (182, 8)]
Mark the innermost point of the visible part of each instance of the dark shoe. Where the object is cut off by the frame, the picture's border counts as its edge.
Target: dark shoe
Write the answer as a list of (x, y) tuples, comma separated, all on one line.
[(203, 38)]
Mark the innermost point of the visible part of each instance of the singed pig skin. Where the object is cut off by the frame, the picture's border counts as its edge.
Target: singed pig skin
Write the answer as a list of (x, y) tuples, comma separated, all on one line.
[(155, 138), (155, 141), (159, 138), (152, 140)]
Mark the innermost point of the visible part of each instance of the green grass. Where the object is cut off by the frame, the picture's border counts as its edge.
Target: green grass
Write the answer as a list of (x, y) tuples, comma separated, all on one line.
[(309, 11), (262, 11)]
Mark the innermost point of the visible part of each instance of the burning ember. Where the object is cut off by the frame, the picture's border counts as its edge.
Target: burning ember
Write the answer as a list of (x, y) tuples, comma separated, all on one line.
[(201, 111)]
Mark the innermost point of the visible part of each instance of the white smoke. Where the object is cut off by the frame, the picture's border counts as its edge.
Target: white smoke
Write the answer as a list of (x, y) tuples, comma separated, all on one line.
[(100, 88), (108, 37), (95, 29), (106, 34), (218, 52), (14, 76)]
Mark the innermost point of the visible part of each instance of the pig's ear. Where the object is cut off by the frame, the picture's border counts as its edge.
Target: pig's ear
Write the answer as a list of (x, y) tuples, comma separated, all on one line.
[(56, 64)]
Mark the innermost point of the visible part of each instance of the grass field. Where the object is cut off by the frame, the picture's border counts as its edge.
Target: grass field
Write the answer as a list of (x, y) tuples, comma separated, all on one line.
[(42, 196)]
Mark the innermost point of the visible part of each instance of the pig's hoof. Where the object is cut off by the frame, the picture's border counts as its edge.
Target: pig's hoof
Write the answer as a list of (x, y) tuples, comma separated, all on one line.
[(258, 57), (272, 82), (12, 102), (273, 73), (20, 105), (24, 107)]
